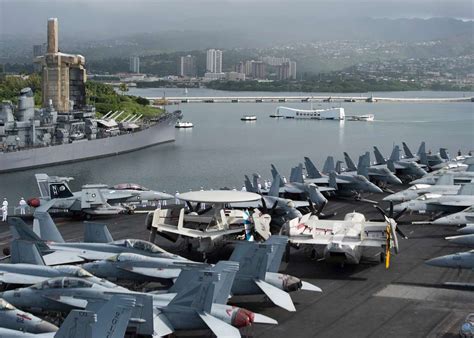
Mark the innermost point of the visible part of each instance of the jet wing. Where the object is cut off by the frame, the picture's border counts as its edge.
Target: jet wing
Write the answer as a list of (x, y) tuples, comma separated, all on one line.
[(310, 240), (71, 301), (161, 325), (19, 278), (62, 257), (165, 273), (197, 233), (453, 203)]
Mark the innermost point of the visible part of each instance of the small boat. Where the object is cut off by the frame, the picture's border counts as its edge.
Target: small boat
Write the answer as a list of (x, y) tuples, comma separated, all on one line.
[(184, 125), (249, 118), (366, 117)]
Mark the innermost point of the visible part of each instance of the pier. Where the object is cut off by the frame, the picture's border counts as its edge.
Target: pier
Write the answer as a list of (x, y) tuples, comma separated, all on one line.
[(288, 98)]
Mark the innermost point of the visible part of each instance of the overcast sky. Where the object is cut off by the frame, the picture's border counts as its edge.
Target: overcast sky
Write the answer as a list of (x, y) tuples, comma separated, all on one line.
[(106, 18)]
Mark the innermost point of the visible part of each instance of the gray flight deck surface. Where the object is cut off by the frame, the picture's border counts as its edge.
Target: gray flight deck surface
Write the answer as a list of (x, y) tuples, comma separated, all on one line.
[(408, 300)]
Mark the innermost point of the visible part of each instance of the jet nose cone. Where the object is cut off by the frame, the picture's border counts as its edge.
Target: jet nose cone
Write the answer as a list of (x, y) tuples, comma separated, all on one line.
[(44, 327), (399, 207), (376, 190), (468, 229), (395, 180), (165, 196), (438, 261), (442, 221), (390, 198)]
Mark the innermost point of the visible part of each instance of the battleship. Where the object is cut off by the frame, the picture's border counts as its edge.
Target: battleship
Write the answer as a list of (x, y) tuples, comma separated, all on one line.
[(66, 129)]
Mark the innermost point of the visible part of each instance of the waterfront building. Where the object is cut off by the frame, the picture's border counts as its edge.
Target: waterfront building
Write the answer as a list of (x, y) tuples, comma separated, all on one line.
[(187, 66), (208, 76), (292, 70), (258, 70), (134, 64), (214, 61), (234, 76)]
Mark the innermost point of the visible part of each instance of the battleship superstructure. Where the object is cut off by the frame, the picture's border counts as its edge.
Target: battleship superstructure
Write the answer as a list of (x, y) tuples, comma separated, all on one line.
[(66, 129)]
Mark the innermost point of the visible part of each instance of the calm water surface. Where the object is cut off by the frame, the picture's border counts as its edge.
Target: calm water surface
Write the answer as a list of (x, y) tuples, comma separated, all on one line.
[(221, 148)]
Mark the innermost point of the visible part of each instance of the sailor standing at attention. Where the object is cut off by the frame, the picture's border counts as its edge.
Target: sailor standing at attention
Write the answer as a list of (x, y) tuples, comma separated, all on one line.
[(22, 205), (176, 198), (203, 205), (4, 212)]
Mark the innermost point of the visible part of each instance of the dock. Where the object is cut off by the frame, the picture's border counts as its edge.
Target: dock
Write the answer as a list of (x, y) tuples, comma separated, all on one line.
[(407, 300), (304, 98)]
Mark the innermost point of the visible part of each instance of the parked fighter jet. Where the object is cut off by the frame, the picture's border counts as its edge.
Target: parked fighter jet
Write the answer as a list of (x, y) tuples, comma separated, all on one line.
[(345, 241), (161, 314), (441, 203), (459, 218), (444, 186), (407, 170), (467, 240), (14, 319), (463, 174), (109, 321), (460, 260), (468, 229), (93, 199), (56, 251), (29, 268), (343, 185), (378, 174)]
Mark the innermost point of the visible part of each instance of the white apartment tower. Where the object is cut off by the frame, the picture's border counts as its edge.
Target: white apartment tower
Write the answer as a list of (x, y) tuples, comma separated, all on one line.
[(135, 64), (214, 61)]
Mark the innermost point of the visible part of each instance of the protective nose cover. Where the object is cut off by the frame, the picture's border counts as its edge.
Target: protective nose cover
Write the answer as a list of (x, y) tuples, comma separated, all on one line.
[(242, 317), (291, 283)]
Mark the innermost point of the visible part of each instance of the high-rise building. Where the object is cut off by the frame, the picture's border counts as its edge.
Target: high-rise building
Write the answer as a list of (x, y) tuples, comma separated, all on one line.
[(283, 71), (63, 75), (240, 67), (135, 64), (258, 69), (292, 70), (214, 61), (38, 50), (187, 66)]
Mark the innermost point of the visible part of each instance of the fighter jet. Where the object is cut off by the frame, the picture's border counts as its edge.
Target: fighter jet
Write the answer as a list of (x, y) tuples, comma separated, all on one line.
[(29, 268), (378, 174), (467, 240), (441, 203), (460, 260), (343, 185), (109, 321), (56, 251), (468, 229), (344, 241), (14, 319), (459, 218), (405, 169), (93, 199), (463, 174), (193, 307), (444, 186)]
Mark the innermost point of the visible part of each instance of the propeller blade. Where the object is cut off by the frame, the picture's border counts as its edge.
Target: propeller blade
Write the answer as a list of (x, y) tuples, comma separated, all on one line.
[(400, 232), (264, 206), (400, 214), (390, 213), (381, 211), (273, 207)]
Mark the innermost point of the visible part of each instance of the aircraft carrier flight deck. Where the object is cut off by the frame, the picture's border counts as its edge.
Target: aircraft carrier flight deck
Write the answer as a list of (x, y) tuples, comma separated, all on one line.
[(409, 299)]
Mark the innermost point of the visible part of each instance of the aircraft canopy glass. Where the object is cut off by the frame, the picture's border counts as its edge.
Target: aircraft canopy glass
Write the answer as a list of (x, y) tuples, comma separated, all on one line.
[(139, 244), (5, 306), (130, 186), (62, 283)]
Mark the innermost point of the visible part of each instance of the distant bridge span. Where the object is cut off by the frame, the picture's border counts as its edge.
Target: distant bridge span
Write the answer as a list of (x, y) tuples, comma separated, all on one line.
[(258, 99)]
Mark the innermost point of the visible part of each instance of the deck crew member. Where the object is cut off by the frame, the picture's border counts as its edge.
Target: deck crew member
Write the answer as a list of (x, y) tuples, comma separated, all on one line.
[(22, 205)]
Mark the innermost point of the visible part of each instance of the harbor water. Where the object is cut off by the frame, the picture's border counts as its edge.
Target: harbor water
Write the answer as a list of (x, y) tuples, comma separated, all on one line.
[(221, 148)]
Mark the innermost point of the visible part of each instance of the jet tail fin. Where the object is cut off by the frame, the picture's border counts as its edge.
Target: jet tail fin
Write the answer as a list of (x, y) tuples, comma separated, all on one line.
[(363, 166), (43, 186), (114, 316), (349, 163), (407, 151), (228, 270), (422, 148), (78, 324), (25, 252), (329, 165), (20, 230), (311, 169), (443, 152), (332, 180), (278, 244), (96, 233), (391, 166), (379, 159), (423, 158), (274, 170), (339, 167), (466, 189), (248, 185), (253, 259), (470, 164), (297, 174), (395, 156), (44, 227), (275, 187), (316, 196)]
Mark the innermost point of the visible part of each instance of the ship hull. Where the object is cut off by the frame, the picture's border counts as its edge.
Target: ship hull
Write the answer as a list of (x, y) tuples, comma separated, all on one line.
[(161, 132)]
